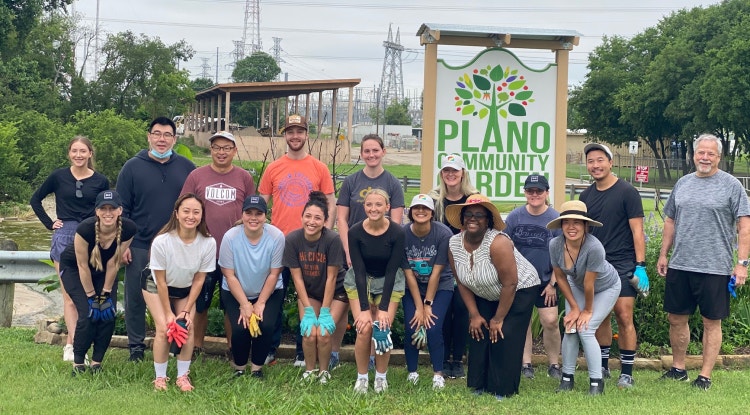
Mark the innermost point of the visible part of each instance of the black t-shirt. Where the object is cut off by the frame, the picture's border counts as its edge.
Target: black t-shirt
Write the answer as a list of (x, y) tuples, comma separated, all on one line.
[(614, 208), (447, 203), (87, 231)]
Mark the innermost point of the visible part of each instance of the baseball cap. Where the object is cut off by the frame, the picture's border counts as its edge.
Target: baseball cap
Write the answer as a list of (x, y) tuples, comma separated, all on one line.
[(422, 200), (108, 197), (295, 120), (223, 134), (255, 202), (536, 181), (597, 146), (453, 161)]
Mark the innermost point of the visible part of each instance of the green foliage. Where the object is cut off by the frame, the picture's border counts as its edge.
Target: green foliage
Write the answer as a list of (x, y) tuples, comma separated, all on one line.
[(199, 84), (396, 113), (12, 167), (258, 67)]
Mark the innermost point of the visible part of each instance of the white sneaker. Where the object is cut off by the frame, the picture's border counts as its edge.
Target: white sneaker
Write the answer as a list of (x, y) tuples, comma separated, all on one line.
[(68, 353), (438, 382), (324, 377), (381, 384), (361, 386), (299, 362), (413, 377), (309, 375)]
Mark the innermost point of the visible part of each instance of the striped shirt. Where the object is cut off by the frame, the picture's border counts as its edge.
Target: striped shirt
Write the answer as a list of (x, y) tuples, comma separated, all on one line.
[(482, 279)]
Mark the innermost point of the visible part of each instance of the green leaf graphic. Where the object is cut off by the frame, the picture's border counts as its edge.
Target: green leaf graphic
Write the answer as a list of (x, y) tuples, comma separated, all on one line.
[(524, 95), (467, 110), (517, 84), (503, 113), (496, 74), (517, 109), (482, 83), (483, 113), (503, 96), (477, 94), (463, 94)]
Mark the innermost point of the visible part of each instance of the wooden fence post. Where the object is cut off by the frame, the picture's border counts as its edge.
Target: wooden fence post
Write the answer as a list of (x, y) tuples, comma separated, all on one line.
[(7, 290)]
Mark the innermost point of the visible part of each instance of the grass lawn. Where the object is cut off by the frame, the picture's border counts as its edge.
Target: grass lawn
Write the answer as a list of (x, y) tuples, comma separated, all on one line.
[(35, 380)]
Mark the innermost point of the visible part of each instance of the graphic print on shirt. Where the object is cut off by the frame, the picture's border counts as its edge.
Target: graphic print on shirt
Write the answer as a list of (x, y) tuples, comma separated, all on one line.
[(532, 236), (419, 260), (220, 194), (362, 193), (294, 189), (313, 263)]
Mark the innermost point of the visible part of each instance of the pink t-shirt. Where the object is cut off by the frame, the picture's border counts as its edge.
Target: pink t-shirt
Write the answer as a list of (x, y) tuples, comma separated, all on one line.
[(289, 182), (222, 194)]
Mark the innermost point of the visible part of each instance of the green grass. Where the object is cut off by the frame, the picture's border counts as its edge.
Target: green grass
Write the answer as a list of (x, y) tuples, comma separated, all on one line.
[(35, 380)]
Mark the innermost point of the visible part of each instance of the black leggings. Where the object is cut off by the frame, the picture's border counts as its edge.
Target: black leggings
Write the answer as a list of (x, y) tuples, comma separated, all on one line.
[(456, 328), (242, 342), (100, 332)]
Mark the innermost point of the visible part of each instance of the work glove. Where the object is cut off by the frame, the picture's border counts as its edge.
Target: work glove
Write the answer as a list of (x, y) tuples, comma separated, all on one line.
[(381, 338), (94, 313), (107, 308), (308, 322), (419, 338), (732, 286), (177, 332), (253, 326), (639, 280), (325, 321)]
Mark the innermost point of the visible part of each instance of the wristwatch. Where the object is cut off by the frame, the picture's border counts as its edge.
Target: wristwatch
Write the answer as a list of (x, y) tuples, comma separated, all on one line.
[(428, 302), (744, 262), (640, 264)]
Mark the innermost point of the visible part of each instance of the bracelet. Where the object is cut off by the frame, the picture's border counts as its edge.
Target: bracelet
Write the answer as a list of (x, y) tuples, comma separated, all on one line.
[(640, 264)]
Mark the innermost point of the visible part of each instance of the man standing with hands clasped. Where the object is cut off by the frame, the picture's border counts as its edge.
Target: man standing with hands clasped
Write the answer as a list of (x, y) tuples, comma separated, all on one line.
[(617, 205), (704, 213)]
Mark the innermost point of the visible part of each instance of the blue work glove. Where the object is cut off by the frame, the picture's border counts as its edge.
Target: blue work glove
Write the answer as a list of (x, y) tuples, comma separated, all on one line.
[(107, 308), (325, 320), (640, 280), (419, 338), (308, 322), (381, 338), (732, 286), (93, 309)]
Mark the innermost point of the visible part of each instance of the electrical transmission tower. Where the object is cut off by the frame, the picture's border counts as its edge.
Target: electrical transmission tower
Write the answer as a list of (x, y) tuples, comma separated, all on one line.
[(276, 53), (252, 16), (205, 67), (392, 80)]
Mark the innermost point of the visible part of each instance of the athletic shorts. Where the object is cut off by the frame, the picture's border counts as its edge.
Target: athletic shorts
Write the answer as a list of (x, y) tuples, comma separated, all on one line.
[(174, 292), (539, 302), (61, 238), (209, 287), (375, 287), (687, 290)]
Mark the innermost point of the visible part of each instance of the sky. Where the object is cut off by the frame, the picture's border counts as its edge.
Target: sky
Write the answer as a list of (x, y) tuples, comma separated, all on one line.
[(335, 39)]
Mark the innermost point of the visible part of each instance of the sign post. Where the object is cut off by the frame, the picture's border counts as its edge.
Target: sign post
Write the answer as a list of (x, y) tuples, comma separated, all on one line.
[(633, 150), (641, 175)]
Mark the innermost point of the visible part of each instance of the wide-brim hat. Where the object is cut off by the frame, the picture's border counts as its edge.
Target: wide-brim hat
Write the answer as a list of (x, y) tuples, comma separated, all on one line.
[(573, 209), (453, 212)]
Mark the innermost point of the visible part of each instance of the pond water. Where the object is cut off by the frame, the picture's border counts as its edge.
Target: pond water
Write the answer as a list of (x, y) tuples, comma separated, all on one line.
[(29, 235)]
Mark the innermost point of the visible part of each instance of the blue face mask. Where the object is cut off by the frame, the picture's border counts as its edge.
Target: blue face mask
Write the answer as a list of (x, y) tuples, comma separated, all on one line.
[(161, 156)]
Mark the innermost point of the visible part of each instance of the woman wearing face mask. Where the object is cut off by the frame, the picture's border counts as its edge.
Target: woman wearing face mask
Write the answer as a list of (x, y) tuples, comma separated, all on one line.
[(75, 189)]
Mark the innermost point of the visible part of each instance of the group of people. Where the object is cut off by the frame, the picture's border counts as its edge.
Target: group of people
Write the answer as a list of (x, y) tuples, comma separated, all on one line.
[(462, 273)]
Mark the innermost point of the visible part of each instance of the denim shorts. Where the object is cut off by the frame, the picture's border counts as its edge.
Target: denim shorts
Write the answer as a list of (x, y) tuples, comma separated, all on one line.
[(61, 238)]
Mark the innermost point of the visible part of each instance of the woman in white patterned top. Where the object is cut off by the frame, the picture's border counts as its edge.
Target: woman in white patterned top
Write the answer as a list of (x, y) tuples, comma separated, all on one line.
[(499, 287)]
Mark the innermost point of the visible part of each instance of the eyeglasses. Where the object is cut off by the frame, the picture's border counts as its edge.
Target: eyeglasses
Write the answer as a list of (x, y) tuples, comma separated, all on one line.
[(225, 149), (475, 215), (79, 187), (160, 134), (534, 191)]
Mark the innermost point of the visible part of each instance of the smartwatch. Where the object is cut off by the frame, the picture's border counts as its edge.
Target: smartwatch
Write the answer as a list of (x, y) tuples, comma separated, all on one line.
[(428, 302), (640, 264), (744, 262)]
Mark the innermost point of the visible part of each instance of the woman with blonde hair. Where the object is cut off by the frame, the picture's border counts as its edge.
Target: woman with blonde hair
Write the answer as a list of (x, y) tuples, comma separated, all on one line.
[(75, 189), (181, 254), (88, 270)]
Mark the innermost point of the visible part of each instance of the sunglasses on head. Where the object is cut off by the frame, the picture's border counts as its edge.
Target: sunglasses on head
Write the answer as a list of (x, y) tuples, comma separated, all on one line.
[(79, 187)]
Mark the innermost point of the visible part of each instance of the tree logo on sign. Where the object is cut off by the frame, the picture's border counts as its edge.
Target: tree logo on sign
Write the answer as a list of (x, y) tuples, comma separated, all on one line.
[(492, 92)]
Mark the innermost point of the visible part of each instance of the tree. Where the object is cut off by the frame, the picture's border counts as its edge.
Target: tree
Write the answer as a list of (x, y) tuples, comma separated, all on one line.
[(18, 18), (258, 67), (12, 167), (398, 113), (199, 84)]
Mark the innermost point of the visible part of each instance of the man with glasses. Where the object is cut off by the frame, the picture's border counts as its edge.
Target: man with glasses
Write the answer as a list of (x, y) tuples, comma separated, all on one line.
[(223, 187), (149, 184), (617, 204)]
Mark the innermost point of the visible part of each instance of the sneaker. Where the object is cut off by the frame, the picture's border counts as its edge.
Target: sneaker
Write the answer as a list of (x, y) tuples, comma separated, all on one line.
[(361, 386), (675, 374), (183, 382), (634, 281), (324, 377), (458, 370), (258, 374), (160, 384), (308, 375), (136, 354), (438, 382), (625, 381), (606, 374), (527, 371), (702, 383), (371, 365), (96, 368), (596, 387), (567, 383), (448, 370), (333, 363), (239, 373), (78, 370), (381, 384), (554, 371), (299, 361), (271, 359), (68, 353), (413, 378)]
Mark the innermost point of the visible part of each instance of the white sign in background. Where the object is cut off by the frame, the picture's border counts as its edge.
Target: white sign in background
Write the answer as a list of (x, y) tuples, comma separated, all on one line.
[(499, 116)]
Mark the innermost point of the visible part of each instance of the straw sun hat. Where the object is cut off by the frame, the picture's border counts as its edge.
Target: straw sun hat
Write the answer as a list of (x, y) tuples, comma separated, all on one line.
[(573, 209), (453, 212)]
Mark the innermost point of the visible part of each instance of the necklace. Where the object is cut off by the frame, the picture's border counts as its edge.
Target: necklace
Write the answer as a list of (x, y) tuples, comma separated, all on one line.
[(578, 255)]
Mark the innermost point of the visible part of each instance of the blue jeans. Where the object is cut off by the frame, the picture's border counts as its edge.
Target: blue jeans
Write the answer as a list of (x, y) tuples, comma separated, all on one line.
[(435, 343)]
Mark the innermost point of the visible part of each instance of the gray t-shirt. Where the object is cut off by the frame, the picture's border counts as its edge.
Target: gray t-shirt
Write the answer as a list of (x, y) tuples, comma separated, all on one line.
[(590, 258), (705, 212), (422, 254), (531, 237), (355, 186)]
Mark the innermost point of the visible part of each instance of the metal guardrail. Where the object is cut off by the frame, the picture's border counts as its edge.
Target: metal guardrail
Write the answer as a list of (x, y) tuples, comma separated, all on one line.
[(24, 266), (574, 190), (406, 183)]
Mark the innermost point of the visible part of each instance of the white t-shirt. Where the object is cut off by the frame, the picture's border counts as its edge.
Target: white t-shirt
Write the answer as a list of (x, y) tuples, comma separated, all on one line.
[(180, 260)]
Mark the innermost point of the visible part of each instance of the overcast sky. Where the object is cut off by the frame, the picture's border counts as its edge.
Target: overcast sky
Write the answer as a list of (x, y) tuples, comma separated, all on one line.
[(328, 39)]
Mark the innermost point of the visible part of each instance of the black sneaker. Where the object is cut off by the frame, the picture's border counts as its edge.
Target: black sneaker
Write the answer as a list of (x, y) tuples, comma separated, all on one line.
[(448, 370), (554, 371), (675, 374), (702, 383), (567, 383), (606, 374), (596, 387), (458, 370), (239, 373), (78, 370), (527, 371), (258, 374), (96, 368), (136, 354)]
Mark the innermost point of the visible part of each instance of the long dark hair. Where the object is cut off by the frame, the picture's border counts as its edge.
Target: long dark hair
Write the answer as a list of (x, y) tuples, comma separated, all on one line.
[(175, 224), (319, 199)]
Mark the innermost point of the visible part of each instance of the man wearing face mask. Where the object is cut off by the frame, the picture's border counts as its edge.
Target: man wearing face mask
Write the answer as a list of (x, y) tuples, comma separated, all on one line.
[(149, 185)]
